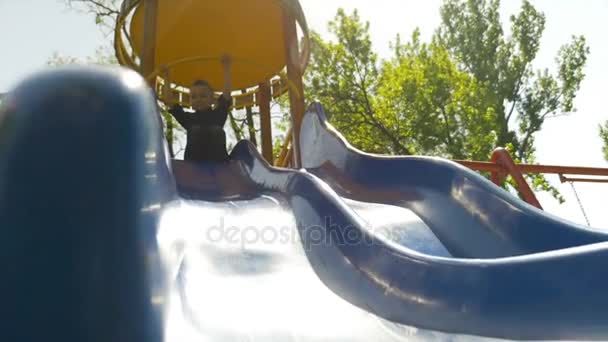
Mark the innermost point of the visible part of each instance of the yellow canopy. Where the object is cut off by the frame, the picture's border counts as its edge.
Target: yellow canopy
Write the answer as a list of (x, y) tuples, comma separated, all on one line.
[(250, 31)]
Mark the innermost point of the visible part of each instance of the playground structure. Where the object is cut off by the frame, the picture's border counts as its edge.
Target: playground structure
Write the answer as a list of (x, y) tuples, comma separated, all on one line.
[(382, 248), (261, 37), (150, 41)]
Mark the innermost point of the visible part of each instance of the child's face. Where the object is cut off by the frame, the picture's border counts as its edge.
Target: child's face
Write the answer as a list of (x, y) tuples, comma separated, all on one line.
[(201, 97)]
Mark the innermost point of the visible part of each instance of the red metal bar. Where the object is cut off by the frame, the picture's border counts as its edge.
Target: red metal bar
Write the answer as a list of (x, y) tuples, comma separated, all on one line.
[(494, 178), (502, 163), (498, 177), (533, 168), (481, 166), (503, 158)]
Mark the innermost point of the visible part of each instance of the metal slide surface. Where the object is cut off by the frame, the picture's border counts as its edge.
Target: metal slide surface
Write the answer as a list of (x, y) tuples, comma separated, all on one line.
[(242, 270), (114, 242)]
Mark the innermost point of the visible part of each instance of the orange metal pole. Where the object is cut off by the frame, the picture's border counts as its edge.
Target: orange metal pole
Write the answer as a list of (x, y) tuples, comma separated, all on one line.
[(284, 149), (288, 162), (502, 163), (532, 168), (294, 74), (498, 177), (265, 122), (149, 48), (481, 166), (503, 158)]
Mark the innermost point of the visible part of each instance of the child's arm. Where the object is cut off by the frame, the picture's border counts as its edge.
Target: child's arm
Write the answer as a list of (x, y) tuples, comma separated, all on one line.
[(179, 115), (171, 101), (225, 100)]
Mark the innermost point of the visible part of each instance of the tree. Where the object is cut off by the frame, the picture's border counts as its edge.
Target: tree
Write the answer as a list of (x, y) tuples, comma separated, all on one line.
[(104, 12), (604, 136), (472, 32), (417, 102), (440, 108), (102, 56), (344, 76)]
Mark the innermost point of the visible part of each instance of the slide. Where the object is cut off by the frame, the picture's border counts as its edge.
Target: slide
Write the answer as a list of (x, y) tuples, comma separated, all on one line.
[(468, 215), (495, 265), (245, 265), (104, 238)]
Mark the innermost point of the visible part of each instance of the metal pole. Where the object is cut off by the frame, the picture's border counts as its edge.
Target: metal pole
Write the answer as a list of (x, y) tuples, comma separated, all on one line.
[(265, 121), (503, 158), (150, 27), (532, 168), (294, 74)]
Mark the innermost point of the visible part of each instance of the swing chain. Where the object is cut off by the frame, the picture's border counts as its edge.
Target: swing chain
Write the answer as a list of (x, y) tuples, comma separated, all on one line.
[(580, 204)]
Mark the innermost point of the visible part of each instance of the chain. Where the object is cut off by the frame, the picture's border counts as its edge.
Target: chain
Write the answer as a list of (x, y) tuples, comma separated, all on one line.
[(580, 204)]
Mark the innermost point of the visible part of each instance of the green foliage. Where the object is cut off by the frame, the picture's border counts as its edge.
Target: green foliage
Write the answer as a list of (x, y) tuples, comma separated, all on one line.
[(604, 136), (103, 56), (521, 97), (439, 107), (472, 88), (418, 101), (344, 76)]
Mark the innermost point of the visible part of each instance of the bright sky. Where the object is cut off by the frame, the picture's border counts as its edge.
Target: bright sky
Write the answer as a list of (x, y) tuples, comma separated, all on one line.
[(34, 29)]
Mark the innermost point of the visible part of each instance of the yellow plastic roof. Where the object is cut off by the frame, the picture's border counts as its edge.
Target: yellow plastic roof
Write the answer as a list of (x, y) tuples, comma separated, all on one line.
[(250, 31)]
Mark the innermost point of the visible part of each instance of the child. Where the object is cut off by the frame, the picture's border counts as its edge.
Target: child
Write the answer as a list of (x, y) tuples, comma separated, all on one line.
[(206, 139)]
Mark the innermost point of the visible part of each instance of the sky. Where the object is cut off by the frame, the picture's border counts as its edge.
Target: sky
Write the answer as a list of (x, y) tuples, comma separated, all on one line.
[(32, 30)]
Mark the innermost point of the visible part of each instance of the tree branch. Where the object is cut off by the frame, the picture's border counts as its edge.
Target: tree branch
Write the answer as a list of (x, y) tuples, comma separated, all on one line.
[(514, 101), (376, 123), (447, 126), (532, 130), (102, 9)]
